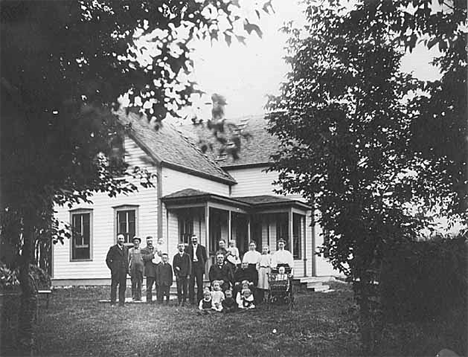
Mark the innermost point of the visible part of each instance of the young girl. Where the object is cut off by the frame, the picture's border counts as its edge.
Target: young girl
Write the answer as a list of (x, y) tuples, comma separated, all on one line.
[(263, 271), (205, 303), (281, 274), (245, 300), (233, 254), (217, 297)]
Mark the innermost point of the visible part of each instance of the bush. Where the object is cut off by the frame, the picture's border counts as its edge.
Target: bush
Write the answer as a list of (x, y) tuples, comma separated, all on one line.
[(422, 281)]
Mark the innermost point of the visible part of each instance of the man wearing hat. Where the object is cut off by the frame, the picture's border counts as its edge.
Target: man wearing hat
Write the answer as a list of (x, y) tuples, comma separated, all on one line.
[(148, 253), (282, 257), (197, 254), (135, 267), (117, 262)]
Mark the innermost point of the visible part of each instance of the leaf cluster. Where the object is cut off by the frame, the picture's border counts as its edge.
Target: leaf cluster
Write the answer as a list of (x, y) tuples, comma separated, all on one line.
[(353, 127)]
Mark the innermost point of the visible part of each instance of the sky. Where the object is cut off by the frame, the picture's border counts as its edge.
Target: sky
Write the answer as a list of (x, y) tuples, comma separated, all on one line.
[(246, 74)]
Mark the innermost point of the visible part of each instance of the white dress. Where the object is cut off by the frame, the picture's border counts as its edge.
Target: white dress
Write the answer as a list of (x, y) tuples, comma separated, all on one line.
[(263, 271)]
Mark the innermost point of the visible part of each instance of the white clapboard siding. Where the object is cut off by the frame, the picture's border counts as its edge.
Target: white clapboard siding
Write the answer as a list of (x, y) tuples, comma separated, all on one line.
[(174, 181), (323, 266), (254, 181), (103, 224), (308, 249)]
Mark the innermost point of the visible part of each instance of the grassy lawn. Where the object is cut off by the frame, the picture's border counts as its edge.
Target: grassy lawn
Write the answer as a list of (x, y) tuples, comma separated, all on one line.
[(320, 325), (77, 325)]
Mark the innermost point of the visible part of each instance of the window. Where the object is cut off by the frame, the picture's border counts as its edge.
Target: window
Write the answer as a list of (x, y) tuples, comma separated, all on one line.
[(126, 218), (185, 229), (297, 235), (81, 223), (282, 228)]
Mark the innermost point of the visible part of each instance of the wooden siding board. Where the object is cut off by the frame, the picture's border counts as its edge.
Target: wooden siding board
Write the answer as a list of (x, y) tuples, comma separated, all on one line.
[(253, 181), (103, 224), (174, 181)]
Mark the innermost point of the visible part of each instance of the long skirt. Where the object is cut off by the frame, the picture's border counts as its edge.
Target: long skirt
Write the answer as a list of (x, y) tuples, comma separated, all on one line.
[(263, 278)]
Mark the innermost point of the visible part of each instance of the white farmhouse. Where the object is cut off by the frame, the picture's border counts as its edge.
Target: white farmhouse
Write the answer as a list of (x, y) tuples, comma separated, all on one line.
[(213, 197)]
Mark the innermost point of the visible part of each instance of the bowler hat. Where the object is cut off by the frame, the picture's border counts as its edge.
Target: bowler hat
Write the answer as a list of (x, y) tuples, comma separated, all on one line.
[(136, 238)]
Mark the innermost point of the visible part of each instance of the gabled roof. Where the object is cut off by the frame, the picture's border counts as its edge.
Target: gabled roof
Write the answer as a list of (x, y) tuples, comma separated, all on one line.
[(255, 151), (171, 149)]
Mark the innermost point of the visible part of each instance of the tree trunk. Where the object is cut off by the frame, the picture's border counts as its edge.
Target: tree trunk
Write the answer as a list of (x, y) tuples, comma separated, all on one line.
[(28, 288), (370, 329)]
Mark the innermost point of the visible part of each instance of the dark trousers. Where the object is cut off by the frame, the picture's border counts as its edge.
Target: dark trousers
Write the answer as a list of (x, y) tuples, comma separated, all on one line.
[(182, 283), (197, 276), (150, 281), (137, 281), (118, 278), (163, 292)]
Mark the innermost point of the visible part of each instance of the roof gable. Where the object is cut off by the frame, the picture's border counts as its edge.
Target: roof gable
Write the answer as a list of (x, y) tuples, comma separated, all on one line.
[(169, 148)]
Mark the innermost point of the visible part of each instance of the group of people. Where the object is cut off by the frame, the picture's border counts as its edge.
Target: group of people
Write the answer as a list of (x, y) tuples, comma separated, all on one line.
[(234, 283), (242, 286), (153, 263)]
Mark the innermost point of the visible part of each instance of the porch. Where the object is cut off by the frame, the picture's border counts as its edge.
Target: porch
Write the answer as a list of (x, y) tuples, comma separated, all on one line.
[(263, 219)]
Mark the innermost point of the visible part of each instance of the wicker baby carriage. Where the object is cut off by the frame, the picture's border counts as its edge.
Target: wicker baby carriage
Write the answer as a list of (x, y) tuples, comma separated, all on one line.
[(280, 290)]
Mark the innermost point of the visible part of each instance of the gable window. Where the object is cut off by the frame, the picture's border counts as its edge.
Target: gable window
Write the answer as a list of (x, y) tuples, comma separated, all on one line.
[(81, 240), (126, 222)]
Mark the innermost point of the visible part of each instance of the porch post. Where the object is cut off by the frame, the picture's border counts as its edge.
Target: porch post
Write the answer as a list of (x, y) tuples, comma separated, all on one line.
[(314, 257), (207, 227), (291, 232), (229, 225), (207, 236), (304, 234), (249, 234)]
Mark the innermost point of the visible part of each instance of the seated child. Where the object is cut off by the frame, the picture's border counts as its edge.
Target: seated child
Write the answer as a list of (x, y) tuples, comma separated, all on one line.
[(217, 296), (233, 254), (245, 300), (205, 304), (281, 274), (229, 304)]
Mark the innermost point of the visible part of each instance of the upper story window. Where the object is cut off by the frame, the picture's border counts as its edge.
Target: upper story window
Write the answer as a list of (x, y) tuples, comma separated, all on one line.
[(81, 240), (126, 221)]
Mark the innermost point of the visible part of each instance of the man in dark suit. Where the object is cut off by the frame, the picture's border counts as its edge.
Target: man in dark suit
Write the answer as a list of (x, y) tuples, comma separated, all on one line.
[(221, 271), (197, 254), (150, 271), (182, 266), (117, 262)]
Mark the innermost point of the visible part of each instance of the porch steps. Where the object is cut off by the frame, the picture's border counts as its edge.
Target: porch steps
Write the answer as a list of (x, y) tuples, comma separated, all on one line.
[(315, 283)]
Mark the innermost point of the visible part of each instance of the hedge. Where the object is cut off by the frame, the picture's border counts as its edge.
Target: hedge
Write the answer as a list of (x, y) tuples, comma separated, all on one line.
[(422, 281)]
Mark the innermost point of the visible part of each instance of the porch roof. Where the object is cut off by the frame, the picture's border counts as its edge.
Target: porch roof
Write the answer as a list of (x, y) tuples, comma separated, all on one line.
[(189, 195), (263, 201)]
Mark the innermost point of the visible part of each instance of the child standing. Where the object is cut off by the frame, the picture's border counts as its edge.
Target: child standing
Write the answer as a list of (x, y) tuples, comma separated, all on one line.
[(164, 279), (217, 297), (263, 272), (205, 304)]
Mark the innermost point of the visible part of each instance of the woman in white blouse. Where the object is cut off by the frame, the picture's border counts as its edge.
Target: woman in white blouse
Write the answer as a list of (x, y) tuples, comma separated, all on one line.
[(282, 257), (252, 256)]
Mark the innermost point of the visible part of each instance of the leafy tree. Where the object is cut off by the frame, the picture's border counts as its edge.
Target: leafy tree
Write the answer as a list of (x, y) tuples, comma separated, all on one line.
[(356, 132), (64, 66)]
